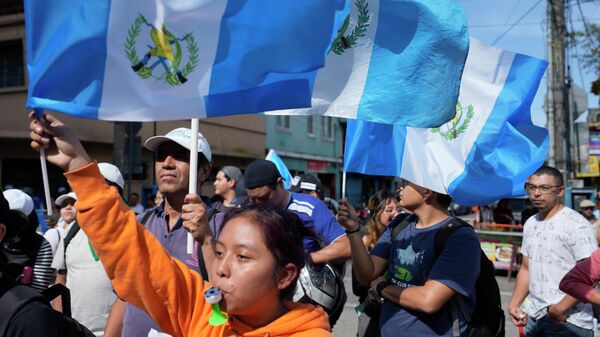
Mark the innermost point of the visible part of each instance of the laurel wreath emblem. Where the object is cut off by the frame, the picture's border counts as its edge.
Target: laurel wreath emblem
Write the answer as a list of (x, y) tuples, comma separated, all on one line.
[(343, 41), (451, 129), (130, 51)]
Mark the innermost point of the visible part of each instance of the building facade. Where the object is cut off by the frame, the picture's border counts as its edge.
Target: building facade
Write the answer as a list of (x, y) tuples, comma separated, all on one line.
[(309, 144)]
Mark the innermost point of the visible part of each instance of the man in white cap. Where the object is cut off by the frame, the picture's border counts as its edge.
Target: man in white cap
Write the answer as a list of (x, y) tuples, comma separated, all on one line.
[(79, 267), (586, 208), (28, 255), (172, 171)]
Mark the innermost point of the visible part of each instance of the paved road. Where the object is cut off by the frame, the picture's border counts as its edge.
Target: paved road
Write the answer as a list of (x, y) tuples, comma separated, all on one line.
[(346, 325)]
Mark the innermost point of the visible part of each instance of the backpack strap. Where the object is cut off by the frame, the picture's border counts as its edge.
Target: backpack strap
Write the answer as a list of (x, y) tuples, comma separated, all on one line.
[(457, 303), (146, 216), (70, 235), (65, 296), (400, 222), (447, 229), (13, 300)]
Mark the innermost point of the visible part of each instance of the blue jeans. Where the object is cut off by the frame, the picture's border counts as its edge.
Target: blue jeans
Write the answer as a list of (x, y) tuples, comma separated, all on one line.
[(545, 327)]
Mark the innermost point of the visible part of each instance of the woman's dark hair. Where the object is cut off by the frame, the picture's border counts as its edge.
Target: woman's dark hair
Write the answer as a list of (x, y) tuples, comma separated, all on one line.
[(282, 231)]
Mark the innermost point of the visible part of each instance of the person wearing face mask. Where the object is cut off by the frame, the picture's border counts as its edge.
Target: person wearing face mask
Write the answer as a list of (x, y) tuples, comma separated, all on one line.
[(257, 256)]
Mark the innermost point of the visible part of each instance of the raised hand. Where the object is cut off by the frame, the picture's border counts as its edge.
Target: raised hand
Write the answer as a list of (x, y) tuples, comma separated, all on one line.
[(59, 142), (347, 216)]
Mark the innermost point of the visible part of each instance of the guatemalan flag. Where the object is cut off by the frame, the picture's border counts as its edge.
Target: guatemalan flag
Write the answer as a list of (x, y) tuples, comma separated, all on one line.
[(390, 60), (176, 59), (486, 152)]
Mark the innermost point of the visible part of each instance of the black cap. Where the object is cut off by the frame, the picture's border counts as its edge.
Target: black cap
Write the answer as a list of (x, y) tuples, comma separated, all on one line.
[(306, 182), (260, 173)]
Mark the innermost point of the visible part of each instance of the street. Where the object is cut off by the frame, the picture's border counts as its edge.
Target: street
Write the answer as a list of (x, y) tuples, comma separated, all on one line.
[(346, 325)]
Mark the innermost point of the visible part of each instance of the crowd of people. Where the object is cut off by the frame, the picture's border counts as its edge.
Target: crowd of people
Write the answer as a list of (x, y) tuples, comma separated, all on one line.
[(276, 256)]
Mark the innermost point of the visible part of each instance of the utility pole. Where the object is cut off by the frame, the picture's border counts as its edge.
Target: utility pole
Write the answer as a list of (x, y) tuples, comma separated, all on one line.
[(558, 123)]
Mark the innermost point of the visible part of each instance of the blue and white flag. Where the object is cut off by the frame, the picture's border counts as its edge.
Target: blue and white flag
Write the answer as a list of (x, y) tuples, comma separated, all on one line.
[(176, 59), (273, 157), (390, 60), (486, 152)]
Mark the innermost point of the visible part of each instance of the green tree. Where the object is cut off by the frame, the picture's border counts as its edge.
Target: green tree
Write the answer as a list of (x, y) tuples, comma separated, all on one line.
[(589, 56)]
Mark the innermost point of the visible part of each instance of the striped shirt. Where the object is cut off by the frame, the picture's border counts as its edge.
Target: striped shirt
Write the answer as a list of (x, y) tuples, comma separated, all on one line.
[(43, 273)]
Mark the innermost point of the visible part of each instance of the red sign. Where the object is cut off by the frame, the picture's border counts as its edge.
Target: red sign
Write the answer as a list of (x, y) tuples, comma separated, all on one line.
[(317, 165)]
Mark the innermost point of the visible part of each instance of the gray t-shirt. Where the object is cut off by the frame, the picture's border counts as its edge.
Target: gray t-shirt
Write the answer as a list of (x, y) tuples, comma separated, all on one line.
[(91, 291), (553, 247)]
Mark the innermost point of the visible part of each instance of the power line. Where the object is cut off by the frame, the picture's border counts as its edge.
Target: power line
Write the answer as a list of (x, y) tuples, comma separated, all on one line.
[(519, 20), (524, 23), (585, 26)]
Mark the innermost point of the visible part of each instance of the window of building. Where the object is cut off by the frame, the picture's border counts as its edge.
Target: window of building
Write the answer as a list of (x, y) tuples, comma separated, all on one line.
[(283, 122), (310, 125), (11, 64), (327, 127), (8, 7)]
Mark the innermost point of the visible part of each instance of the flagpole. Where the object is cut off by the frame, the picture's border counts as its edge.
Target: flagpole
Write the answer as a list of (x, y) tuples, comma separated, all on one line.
[(344, 184), (39, 114), (193, 172), (46, 182)]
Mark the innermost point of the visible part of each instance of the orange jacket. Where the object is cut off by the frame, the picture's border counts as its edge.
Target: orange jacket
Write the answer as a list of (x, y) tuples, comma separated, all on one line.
[(143, 273)]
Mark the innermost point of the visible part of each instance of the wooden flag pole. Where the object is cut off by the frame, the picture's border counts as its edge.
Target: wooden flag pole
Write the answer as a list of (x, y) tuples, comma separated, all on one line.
[(193, 172)]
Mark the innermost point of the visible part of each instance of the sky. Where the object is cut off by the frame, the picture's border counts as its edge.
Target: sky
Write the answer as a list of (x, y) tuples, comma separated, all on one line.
[(488, 19)]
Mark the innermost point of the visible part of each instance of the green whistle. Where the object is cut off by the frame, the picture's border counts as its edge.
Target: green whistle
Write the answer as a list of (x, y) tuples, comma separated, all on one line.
[(213, 296)]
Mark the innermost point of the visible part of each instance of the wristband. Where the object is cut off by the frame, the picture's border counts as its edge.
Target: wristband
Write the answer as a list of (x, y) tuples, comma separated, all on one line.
[(380, 286), (353, 231)]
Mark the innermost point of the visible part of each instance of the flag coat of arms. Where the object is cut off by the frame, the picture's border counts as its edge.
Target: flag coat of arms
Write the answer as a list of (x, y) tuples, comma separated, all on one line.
[(484, 153), (174, 59), (389, 60)]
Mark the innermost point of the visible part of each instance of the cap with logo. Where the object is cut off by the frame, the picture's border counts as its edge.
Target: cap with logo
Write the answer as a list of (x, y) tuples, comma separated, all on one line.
[(306, 182)]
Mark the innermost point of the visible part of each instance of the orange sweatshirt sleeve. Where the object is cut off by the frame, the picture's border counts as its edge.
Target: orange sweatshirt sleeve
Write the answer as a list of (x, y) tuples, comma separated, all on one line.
[(141, 271)]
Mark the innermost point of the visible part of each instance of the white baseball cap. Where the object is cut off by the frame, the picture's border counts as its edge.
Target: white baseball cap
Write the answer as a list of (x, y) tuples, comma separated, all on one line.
[(181, 136), (19, 201), (111, 173), (60, 200)]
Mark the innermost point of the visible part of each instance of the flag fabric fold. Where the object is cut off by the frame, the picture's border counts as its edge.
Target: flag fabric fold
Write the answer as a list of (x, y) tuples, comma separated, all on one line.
[(169, 60), (486, 152), (390, 60), (273, 157)]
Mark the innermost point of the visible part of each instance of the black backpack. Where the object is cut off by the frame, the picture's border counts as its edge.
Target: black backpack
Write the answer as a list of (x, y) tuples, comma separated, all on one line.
[(488, 317), (17, 297)]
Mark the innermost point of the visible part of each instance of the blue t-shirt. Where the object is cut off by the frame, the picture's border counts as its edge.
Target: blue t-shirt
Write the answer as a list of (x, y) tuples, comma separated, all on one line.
[(316, 217), (412, 261)]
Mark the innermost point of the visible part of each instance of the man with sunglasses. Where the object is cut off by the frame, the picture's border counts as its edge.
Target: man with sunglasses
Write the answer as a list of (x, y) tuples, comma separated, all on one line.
[(553, 241), (165, 221)]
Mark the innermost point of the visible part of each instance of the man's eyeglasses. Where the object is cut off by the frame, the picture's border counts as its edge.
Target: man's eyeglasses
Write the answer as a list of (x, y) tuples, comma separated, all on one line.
[(182, 155), (530, 188)]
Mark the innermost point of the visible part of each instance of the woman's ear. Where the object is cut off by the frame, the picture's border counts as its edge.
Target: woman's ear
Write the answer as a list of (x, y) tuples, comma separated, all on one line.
[(287, 274)]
